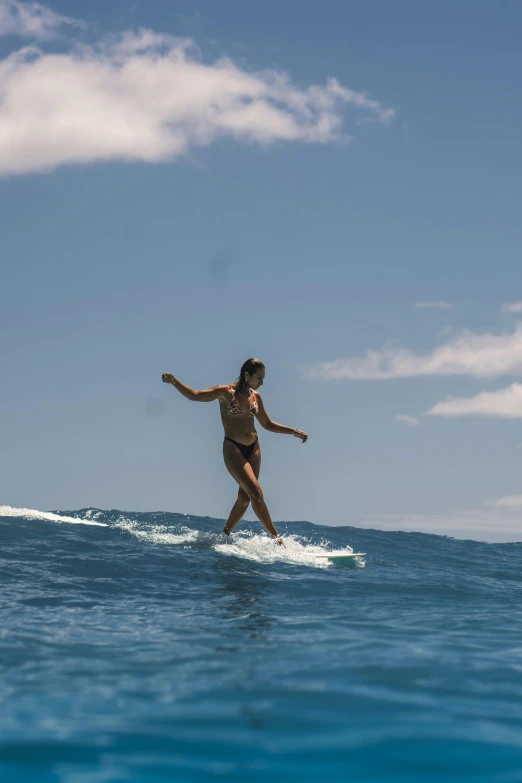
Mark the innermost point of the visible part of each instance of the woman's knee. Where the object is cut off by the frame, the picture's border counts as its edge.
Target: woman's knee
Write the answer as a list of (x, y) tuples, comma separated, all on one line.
[(255, 494), (242, 496)]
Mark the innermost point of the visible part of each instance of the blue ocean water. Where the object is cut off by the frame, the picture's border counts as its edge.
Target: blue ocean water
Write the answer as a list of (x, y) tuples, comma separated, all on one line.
[(148, 647)]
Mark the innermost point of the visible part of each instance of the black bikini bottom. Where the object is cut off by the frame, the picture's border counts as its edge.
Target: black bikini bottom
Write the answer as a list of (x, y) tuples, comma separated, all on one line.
[(246, 451)]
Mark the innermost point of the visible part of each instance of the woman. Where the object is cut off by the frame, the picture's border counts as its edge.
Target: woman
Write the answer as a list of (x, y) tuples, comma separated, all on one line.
[(239, 403)]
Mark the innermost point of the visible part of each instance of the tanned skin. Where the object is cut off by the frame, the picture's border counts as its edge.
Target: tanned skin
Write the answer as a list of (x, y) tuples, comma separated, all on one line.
[(241, 429)]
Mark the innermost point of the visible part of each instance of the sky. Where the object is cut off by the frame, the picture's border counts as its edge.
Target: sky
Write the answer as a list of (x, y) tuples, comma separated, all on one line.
[(331, 187)]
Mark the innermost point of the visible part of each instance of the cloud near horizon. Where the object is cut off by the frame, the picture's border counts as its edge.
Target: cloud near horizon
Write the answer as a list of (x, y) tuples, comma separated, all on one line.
[(150, 97), (493, 522), (477, 355)]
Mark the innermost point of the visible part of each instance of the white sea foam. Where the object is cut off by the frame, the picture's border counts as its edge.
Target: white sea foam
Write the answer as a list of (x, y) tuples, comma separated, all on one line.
[(8, 511), (262, 549), (156, 534)]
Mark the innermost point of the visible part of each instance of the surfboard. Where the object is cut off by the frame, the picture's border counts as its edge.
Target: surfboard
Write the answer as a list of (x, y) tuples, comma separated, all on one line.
[(341, 555)]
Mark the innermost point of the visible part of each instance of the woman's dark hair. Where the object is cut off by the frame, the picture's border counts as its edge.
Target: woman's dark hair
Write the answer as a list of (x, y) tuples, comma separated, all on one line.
[(250, 367)]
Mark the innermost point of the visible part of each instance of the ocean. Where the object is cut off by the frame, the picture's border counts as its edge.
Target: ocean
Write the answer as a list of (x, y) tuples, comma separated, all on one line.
[(148, 647)]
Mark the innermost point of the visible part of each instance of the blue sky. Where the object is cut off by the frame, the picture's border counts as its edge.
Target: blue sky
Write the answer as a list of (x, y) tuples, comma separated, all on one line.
[(333, 187)]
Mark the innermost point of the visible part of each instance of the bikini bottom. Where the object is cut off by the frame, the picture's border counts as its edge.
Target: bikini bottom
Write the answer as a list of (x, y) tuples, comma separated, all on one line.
[(246, 451)]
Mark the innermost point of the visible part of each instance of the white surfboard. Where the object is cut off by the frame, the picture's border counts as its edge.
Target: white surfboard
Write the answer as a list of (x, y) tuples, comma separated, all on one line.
[(339, 555)]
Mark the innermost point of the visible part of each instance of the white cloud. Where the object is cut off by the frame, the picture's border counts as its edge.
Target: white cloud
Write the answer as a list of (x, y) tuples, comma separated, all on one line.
[(514, 307), (505, 403), (410, 420), (496, 521), (498, 524), (32, 20), (510, 501), (149, 97), (479, 355), (436, 305)]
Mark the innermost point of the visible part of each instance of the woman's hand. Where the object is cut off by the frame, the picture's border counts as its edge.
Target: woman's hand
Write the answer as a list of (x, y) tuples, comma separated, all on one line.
[(279, 541), (301, 434), (167, 377)]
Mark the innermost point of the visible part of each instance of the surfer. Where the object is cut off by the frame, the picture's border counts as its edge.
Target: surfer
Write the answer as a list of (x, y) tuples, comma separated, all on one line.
[(239, 402)]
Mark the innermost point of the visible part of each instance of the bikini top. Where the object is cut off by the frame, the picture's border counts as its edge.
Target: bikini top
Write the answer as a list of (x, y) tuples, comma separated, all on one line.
[(234, 408)]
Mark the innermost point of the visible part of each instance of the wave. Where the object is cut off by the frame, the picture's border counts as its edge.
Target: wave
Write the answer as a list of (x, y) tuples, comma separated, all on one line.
[(29, 513), (172, 529), (306, 544)]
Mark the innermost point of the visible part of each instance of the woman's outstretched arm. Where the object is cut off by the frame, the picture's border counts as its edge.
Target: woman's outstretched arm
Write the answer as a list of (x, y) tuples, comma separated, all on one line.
[(202, 395), (272, 426)]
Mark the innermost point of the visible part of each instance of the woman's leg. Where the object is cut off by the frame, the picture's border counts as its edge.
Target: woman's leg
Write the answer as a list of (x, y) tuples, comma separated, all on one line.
[(243, 473), (238, 511), (243, 501)]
